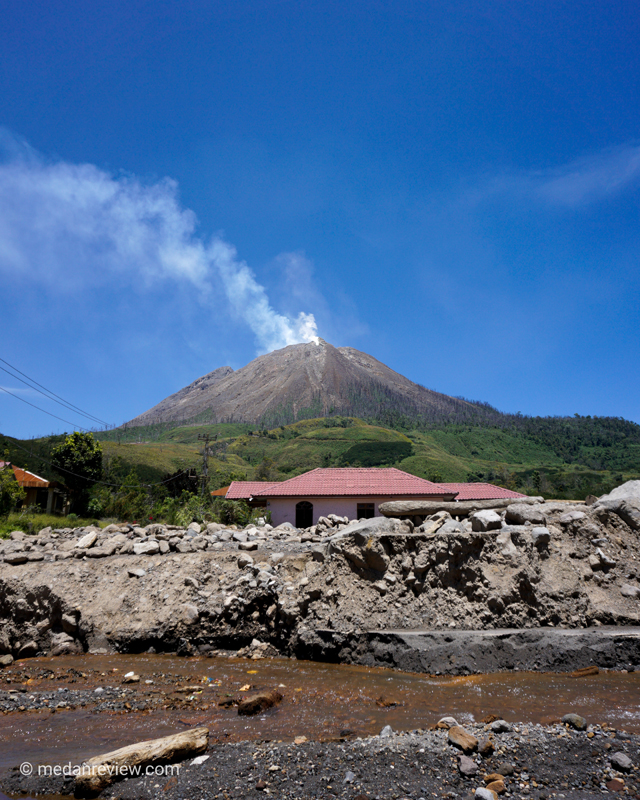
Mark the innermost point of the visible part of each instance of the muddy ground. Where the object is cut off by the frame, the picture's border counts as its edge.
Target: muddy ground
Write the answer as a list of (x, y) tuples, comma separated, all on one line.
[(351, 592), (548, 586)]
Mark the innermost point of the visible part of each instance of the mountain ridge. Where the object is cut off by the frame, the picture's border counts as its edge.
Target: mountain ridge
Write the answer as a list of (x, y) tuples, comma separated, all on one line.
[(302, 381)]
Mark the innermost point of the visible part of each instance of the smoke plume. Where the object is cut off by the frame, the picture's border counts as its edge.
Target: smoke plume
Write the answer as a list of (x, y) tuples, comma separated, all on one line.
[(73, 226)]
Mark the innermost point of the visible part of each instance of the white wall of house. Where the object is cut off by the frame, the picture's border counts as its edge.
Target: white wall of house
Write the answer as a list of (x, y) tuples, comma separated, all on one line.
[(283, 509)]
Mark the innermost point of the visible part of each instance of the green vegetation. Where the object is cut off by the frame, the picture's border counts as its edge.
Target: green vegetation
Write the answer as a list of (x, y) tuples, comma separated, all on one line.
[(32, 522), (157, 473), (78, 461), (11, 493), (173, 431), (376, 454)]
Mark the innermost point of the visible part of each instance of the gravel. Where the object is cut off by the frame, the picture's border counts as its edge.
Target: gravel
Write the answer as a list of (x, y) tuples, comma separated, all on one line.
[(534, 761)]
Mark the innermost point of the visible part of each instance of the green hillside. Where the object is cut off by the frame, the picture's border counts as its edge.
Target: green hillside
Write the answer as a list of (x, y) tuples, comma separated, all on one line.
[(557, 457)]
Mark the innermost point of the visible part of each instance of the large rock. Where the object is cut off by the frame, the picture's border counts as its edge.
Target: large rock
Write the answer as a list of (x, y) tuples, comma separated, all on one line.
[(258, 702), (621, 762), (575, 721), (521, 513), (486, 520), (16, 558), (461, 738), (146, 548), (627, 510), (540, 536), (626, 491), (87, 541), (467, 766), (408, 508), (624, 501), (360, 542)]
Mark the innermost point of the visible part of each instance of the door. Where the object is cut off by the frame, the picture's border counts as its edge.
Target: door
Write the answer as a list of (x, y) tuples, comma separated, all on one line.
[(304, 514)]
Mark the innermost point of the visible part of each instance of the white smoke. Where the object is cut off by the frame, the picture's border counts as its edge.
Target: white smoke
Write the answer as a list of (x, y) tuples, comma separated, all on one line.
[(250, 302), (72, 226)]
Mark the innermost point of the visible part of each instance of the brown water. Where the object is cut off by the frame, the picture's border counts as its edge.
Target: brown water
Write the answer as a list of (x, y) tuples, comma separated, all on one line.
[(321, 701)]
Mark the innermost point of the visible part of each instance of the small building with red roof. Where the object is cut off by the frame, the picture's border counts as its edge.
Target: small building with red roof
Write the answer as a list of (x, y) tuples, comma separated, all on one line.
[(50, 496), (353, 492)]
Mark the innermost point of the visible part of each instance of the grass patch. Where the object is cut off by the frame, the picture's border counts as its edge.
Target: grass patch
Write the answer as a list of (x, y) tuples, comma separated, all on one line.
[(33, 523)]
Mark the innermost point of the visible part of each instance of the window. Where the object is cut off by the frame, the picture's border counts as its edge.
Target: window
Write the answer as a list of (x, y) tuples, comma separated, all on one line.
[(366, 510), (304, 514)]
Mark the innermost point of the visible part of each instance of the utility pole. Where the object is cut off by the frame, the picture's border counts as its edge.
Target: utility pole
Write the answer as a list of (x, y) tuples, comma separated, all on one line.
[(205, 455)]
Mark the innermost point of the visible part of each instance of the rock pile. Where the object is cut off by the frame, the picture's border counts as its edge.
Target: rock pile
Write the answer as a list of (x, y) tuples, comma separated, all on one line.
[(192, 589)]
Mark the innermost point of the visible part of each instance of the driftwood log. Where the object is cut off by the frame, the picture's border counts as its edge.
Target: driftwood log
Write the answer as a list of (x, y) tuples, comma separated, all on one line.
[(101, 771), (424, 508)]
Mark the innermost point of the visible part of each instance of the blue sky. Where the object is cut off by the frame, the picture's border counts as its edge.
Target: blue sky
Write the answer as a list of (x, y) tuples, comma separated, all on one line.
[(452, 188)]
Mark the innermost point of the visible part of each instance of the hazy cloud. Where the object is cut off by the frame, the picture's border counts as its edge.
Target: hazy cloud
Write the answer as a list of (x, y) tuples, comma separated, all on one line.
[(73, 226), (586, 180), (593, 178)]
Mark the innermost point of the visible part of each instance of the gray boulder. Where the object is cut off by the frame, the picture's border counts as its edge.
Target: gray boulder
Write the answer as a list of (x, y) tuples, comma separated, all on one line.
[(628, 590), (571, 516), (467, 766), (520, 514), (621, 762), (624, 501), (16, 558), (88, 540), (146, 548), (540, 536), (627, 510), (626, 491), (486, 520), (575, 721)]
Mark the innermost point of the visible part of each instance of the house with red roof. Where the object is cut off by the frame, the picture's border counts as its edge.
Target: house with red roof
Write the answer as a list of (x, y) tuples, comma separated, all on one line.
[(50, 496), (353, 492)]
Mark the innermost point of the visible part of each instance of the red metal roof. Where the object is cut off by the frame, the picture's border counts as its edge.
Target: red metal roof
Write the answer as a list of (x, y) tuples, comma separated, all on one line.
[(480, 491), (29, 479), (354, 481), (243, 490)]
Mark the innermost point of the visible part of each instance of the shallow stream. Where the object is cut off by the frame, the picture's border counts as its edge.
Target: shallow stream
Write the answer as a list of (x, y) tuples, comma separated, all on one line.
[(321, 701)]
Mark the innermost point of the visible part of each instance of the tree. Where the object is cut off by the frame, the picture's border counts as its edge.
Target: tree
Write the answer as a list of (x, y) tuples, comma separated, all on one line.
[(266, 469), (10, 491), (78, 460)]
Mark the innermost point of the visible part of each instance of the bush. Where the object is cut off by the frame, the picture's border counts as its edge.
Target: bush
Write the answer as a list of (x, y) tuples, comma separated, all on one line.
[(11, 493)]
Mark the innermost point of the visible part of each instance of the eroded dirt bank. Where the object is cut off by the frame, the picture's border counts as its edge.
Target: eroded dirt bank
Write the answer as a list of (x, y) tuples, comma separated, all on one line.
[(350, 592)]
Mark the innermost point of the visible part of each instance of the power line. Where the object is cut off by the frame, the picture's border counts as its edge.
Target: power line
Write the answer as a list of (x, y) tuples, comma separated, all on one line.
[(73, 424), (102, 483), (68, 406), (49, 394)]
